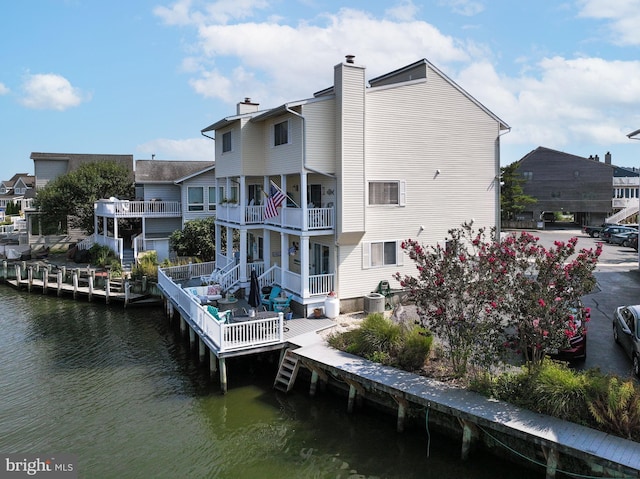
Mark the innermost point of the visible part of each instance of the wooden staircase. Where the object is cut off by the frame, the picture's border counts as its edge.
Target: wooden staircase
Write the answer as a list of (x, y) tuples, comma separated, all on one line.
[(287, 373)]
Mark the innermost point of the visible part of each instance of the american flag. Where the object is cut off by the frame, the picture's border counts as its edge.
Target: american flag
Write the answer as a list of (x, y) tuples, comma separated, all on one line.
[(275, 199)]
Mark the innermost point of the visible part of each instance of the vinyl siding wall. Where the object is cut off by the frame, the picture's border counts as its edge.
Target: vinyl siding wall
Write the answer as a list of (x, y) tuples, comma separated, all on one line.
[(46, 171), (412, 131), (321, 135), (204, 180), (164, 192)]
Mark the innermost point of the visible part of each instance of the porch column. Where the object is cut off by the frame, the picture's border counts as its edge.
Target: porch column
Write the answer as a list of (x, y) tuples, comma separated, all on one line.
[(243, 256), (95, 221), (304, 266), (105, 227), (242, 200), (218, 233), (284, 256), (304, 201), (266, 248), (230, 244)]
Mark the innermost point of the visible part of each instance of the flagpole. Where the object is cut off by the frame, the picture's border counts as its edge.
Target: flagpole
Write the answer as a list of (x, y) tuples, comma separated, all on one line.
[(285, 194)]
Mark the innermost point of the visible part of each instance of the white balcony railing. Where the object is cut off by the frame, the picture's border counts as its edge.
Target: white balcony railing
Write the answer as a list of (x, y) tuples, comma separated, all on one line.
[(317, 218), (137, 209)]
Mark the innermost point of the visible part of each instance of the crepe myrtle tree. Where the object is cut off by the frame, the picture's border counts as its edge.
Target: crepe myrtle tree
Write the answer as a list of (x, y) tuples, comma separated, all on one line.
[(474, 292)]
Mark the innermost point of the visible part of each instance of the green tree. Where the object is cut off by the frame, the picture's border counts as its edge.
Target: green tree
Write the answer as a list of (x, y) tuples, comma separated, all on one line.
[(196, 239), (512, 198), (71, 196), (474, 292)]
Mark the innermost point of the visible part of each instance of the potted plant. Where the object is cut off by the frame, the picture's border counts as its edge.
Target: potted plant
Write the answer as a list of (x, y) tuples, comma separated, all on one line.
[(317, 312)]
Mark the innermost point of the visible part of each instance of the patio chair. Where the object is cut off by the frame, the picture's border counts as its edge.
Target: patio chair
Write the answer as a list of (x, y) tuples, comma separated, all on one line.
[(220, 316), (281, 306), (267, 299), (210, 279)]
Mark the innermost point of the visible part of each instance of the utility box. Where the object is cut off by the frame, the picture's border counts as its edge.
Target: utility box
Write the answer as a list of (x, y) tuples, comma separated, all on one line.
[(374, 303)]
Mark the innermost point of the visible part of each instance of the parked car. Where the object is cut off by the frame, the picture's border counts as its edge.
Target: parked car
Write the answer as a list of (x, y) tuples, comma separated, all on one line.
[(577, 350), (626, 332), (607, 232), (621, 239), (633, 241), (594, 231)]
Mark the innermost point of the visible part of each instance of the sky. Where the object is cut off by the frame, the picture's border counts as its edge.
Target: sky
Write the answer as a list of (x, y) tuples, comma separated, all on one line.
[(144, 77)]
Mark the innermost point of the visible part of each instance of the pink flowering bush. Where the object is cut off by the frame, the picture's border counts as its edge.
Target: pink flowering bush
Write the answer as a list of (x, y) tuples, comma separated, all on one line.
[(481, 296)]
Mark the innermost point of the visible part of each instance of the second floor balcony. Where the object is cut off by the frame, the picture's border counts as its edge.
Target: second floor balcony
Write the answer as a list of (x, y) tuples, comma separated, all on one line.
[(303, 219), (113, 208)]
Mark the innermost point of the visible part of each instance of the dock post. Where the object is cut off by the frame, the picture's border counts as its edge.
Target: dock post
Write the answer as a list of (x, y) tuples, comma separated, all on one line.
[(45, 281), (90, 279), (59, 278), (29, 278), (5, 271), (213, 363), (223, 375), (75, 283), (192, 339), (469, 433), (183, 327), (314, 383), (107, 288), (18, 275), (552, 457), (352, 398), (202, 351), (126, 292), (403, 406)]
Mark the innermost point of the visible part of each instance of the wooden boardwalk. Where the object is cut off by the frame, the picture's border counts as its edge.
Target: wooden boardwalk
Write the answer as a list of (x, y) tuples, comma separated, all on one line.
[(552, 434)]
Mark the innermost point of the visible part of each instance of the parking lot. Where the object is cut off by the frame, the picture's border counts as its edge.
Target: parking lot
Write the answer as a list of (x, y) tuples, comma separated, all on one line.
[(618, 279)]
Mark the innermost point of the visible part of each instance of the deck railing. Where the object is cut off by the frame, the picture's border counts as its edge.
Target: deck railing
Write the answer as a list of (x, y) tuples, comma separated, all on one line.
[(137, 209), (225, 337)]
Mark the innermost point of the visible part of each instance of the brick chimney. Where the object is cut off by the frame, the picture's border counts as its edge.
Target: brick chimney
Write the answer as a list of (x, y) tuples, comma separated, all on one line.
[(607, 158)]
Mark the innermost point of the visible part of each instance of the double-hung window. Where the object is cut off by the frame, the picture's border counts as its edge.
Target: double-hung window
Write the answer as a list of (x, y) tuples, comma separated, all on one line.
[(195, 197), (377, 254), (212, 198), (387, 193), (226, 142), (281, 133)]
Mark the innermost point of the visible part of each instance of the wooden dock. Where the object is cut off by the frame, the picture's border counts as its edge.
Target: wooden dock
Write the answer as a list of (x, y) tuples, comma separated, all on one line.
[(608, 455)]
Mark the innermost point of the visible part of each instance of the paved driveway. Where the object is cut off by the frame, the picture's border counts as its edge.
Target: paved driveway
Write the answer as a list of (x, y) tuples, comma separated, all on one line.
[(618, 284)]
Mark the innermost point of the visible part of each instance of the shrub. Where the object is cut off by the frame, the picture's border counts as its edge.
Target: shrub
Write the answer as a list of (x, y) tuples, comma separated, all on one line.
[(378, 334), (101, 256), (617, 410), (561, 392), (414, 349), (147, 266)]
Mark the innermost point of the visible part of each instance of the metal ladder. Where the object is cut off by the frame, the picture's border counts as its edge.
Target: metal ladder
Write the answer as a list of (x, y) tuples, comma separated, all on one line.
[(287, 372)]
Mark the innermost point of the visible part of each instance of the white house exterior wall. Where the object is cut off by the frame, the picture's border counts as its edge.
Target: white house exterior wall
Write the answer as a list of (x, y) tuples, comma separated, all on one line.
[(229, 163), (287, 158), (412, 131), (45, 170), (321, 135)]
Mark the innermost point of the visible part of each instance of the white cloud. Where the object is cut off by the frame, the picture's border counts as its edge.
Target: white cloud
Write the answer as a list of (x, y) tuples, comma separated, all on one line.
[(467, 8), (624, 16), (191, 149), (404, 11), (221, 11), (3, 89), (50, 92)]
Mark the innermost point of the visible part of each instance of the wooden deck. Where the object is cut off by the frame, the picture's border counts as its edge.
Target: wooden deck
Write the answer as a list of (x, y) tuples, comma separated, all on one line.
[(554, 434)]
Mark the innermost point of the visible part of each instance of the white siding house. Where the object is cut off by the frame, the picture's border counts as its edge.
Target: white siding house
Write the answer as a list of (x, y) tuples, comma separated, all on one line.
[(364, 168)]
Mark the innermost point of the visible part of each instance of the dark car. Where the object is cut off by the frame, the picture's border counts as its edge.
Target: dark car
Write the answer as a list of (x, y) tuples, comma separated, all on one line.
[(577, 350), (626, 332), (622, 239), (613, 230), (633, 241)]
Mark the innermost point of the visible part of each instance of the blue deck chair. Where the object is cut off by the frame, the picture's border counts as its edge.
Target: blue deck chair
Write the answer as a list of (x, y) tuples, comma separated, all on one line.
[(281, 307), (267, 299), (220, 316)]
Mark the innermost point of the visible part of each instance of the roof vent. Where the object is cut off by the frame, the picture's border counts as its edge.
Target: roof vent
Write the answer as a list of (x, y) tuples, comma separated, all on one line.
[(350, 58)]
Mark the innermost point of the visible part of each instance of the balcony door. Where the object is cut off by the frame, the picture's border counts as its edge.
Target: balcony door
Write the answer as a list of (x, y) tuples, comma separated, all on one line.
[(314, 195), (319, 259)]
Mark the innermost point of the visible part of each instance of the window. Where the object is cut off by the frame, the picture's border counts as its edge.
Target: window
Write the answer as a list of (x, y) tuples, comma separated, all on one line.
[(527, 175), (226, 142), (281, 133), (212, 198), (381, 253), (233, 194), (195, 198), (387, 193)]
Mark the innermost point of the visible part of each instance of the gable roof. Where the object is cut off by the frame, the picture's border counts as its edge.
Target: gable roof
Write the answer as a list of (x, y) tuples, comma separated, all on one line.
[(167, 171)]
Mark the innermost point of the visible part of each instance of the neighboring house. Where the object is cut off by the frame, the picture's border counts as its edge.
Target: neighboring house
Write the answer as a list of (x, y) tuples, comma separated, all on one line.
[(20, 190), (168, 194), (364, 168), (585, 187), (48, 166)]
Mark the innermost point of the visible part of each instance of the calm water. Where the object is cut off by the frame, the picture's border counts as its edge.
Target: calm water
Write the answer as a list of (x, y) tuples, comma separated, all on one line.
[(120, 389)]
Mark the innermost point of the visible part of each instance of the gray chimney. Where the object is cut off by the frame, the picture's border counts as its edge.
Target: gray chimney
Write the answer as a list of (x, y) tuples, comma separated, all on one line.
[(607, 158), (597, 158)]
